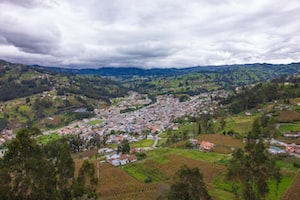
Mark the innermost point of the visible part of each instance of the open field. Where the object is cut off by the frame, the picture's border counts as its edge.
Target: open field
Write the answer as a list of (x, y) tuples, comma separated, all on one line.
[(158, 169), (44, 139), (285, 128), (115, 183), (288, 116), (95, 122), (223, 144), (239, 124), (293, 191), (142, 143)]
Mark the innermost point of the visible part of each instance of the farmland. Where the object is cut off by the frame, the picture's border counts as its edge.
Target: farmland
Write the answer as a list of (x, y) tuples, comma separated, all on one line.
[(293, 191), (288, 127), (239, 124), (150, 177)]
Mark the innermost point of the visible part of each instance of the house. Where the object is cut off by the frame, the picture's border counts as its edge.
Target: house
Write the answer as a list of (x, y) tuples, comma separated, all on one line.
[(132, 158), (150, 137), (122, 159), (206, 146), (115, 162), (292, 134), (2, 152), (293, 148)]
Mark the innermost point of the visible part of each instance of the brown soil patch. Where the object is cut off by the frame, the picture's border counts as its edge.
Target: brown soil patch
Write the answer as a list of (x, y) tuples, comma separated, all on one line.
[(222, 140), (293, 191), (117, 184), (88, 153), (288, 116)]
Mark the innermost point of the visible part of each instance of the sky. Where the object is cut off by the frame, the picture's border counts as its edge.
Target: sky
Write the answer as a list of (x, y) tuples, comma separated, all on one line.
[(149, 33)]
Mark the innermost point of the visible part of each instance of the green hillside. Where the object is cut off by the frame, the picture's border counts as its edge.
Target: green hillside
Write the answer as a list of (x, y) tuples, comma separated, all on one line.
[(31, 96)]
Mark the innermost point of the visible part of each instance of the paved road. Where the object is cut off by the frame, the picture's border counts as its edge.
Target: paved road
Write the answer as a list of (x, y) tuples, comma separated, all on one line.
[(156, 140)]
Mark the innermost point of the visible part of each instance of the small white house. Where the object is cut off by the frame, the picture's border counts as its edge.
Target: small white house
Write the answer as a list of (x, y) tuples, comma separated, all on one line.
[(115, 162), (150, 137), (2, 152)]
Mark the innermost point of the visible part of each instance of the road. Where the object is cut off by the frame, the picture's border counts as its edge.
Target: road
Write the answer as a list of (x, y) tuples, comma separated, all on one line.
[(156, 140)]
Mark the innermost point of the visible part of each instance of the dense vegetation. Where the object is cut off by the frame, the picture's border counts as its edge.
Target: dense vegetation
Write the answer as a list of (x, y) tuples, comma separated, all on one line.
[(251, 168), (31, 171), (188, 184), (250, 97), (18, 80)]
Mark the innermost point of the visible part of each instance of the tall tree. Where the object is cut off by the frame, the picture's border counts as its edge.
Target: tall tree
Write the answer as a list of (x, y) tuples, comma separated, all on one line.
[(31, 171), (188, 185), (251, 168), (63, 166), (85, 185), (27, 173), (123, 147)]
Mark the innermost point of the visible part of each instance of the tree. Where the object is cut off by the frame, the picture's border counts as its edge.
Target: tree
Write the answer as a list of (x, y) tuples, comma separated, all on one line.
[(63, 166), (32, 171), (27, 100), (3, 123), (199, 130), (251, 168), (188, 185), (86, 175), (25, 172), (222, 123), (123, 147)]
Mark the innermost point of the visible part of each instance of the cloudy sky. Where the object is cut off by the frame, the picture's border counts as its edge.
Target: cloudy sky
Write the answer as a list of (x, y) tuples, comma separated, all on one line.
[(149, 33)]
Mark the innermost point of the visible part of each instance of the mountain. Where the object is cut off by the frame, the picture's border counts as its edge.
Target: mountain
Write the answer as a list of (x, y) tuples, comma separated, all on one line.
[(132, 71)]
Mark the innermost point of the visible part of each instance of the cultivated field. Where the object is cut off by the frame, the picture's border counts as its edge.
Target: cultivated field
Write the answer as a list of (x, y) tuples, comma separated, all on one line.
[(148, 178), (293, 191), (288, 116)]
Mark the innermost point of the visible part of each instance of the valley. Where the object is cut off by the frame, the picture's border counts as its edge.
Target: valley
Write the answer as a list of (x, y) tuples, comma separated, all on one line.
[(164, 121)]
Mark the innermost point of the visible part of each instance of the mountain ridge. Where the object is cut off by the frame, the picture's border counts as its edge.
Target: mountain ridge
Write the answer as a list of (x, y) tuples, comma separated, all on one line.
[(136, 71)]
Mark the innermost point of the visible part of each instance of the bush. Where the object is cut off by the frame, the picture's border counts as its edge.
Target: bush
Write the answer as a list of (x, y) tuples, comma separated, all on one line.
[(148, 180)]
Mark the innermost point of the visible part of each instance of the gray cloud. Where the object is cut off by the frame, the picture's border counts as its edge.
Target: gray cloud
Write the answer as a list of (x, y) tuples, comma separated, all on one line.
[(156, 33)]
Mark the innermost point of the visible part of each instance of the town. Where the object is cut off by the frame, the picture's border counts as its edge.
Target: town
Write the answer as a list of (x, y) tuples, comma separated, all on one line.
[(150, 120)]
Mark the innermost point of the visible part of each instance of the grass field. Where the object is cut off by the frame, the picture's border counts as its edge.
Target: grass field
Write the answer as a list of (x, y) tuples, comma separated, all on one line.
[(278, 192), (142, 143), (239, 124), (44, 139), (95, 122), (284, 128), (293, 191)]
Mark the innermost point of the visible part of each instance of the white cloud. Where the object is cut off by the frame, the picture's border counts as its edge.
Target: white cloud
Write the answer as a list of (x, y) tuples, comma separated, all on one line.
[(150, 33)]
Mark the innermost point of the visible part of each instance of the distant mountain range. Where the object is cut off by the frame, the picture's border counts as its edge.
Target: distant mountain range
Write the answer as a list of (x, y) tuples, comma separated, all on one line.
[(133, 71)]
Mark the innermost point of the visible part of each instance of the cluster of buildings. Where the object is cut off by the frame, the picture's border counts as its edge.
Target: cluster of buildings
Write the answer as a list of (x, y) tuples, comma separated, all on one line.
[(158, 116), (121, 159), (145, 122)]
